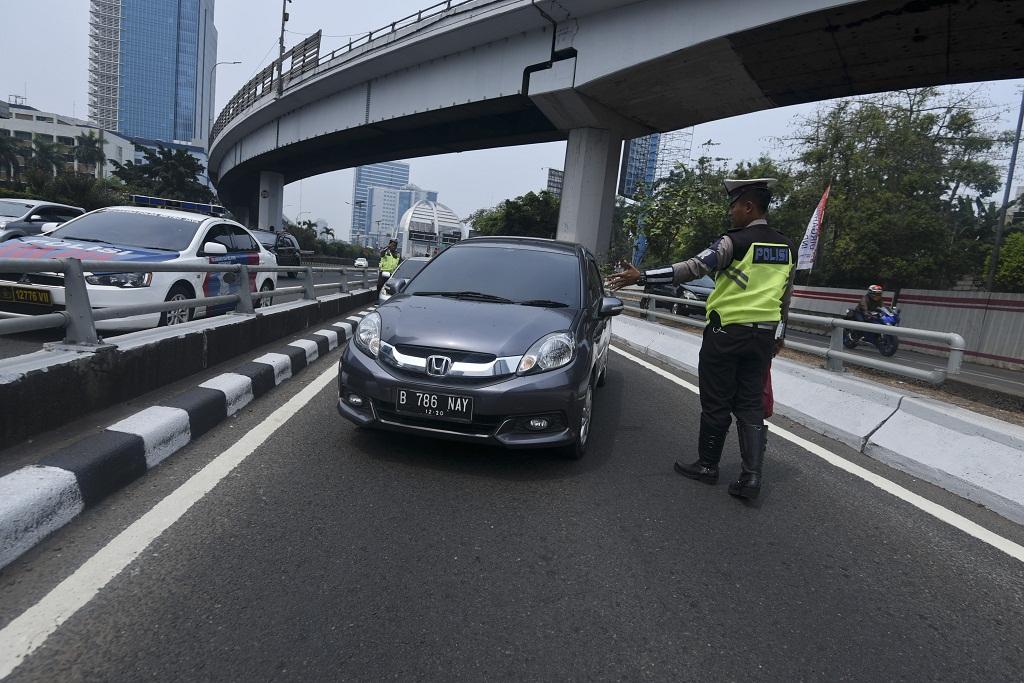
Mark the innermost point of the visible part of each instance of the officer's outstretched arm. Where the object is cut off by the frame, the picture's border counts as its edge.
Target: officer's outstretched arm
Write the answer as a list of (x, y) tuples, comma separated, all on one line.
[(711, 260)]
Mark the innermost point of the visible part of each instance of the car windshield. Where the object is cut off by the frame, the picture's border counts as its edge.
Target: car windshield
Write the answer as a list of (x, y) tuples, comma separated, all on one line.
[(267, 239), (133, 229), (408, 269), (704, 281), (13, 209), (507, 272)]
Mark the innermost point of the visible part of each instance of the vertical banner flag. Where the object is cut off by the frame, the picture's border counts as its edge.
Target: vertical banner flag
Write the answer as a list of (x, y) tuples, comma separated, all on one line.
[(809, 245), (639, 249)]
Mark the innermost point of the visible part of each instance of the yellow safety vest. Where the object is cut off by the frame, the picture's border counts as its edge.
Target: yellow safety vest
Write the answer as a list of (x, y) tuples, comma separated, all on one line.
[(388, 262), (751, 290)]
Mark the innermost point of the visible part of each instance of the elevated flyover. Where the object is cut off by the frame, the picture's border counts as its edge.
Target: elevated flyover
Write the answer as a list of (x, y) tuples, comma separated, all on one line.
[(489, 73)]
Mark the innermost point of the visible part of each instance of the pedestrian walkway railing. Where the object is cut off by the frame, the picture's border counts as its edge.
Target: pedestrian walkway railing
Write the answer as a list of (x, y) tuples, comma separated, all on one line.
[(78, 319), (305, 57), (835, 355)]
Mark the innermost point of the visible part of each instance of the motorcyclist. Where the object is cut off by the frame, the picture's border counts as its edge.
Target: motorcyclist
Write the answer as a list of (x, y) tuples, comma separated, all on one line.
[(870, 303)]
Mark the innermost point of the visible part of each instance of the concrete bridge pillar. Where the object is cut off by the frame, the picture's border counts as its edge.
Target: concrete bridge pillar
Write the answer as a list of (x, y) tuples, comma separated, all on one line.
[(271, 201), (588, 191)]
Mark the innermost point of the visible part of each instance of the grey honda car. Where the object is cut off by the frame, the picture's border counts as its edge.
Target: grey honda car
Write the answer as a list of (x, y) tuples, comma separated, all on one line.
[(498, 340)]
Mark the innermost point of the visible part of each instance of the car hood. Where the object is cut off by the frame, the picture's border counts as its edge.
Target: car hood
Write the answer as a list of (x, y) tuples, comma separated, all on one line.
[(482, 327), (42, 247)]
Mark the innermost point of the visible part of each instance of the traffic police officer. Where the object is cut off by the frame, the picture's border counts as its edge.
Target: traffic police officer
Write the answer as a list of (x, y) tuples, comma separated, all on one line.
[(746, 314)]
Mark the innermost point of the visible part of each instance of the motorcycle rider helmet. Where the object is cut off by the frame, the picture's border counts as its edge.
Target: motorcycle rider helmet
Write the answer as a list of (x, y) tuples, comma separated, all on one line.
[(875, 292)]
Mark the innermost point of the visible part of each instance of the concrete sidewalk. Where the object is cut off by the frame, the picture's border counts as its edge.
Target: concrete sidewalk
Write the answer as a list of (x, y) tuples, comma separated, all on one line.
[(972, 455)]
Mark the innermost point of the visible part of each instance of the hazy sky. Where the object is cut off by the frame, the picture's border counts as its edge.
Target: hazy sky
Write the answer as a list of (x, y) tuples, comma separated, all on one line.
[(55, 78)]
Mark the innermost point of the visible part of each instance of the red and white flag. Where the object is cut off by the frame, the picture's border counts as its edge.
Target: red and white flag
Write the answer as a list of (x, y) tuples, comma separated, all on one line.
[(809, 245)]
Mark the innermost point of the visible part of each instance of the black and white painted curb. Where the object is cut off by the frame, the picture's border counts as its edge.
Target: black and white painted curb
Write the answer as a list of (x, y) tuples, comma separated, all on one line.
[(39, 499)]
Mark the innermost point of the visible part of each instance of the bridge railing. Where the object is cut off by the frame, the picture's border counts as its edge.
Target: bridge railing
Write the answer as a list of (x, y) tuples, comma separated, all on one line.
[(78, 319), (834, 355), (305, 56)]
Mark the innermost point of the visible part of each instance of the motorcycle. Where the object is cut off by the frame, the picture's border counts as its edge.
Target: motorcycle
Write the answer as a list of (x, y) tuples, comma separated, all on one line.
[(887, 344)]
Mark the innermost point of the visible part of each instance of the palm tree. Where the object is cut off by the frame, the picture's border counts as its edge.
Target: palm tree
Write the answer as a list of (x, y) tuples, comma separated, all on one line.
[(89, 150), (9, 153), (327, 231), (48, 156)]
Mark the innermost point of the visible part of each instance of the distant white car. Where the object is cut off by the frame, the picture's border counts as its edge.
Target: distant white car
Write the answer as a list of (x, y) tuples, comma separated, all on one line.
[(361, 263), (137, 235)]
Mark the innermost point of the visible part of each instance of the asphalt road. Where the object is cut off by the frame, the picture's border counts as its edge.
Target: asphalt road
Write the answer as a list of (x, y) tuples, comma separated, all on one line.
[(343, 554), (29, 342)]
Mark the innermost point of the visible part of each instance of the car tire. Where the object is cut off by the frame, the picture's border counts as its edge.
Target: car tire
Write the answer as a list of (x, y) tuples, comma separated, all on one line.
[(578, 449), (179, 292), (267, 286)]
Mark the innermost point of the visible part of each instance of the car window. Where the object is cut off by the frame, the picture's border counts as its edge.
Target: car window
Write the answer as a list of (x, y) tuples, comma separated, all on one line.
[(132, 228), (242, 240), (408, 269), (221, 234), (511, 272), (292, 242), (596, 286), (13, 209), (267, 239), (56, 213)]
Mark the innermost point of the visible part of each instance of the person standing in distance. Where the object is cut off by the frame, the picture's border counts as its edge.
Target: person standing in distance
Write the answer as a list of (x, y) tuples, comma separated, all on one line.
[(746, 313), (389, 259)]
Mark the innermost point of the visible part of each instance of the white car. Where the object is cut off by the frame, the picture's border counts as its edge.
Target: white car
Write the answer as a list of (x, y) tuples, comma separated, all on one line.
[(361, 263), (145, 235)]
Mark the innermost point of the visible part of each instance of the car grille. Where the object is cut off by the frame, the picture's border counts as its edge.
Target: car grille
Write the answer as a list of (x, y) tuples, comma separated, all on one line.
[(482, 425), (33, 278), (456, 356)]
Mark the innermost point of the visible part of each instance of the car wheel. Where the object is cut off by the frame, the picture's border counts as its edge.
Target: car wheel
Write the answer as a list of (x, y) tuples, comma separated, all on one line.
[(268, 286), (177, 316), (579, 448)]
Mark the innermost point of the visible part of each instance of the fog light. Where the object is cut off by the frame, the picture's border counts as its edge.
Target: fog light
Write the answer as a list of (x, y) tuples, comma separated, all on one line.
[(355, 400), (538, 423)]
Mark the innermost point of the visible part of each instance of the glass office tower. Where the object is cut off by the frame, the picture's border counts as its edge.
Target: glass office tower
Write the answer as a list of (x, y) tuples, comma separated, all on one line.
[(150, 68)]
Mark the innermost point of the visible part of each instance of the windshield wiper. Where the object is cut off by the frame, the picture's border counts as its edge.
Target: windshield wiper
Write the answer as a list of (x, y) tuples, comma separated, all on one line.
[(157, 248), (478, 296), (82, 239), (545, 303)]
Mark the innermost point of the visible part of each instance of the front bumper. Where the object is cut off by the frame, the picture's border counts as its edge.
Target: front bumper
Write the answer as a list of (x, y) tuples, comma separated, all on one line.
[(500, 408)]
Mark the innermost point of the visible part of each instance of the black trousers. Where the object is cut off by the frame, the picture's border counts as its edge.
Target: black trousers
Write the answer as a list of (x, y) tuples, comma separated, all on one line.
[(733, 360)]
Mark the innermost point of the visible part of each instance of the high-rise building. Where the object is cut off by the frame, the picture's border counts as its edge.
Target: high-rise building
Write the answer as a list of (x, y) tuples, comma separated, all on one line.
[(151, 68), (390, 174), (639, 164), (556, 178), (387, 205)]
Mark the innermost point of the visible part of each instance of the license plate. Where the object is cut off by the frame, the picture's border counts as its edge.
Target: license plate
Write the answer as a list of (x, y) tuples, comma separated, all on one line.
[(25, 295), (439, 406)]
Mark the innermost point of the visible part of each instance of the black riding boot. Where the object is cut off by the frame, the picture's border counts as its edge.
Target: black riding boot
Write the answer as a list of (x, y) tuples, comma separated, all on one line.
[(709, 452), (753, 441)]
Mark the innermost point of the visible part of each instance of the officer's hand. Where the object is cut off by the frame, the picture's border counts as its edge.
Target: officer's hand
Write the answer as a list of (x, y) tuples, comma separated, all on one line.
[(628, 276), (779, 345)]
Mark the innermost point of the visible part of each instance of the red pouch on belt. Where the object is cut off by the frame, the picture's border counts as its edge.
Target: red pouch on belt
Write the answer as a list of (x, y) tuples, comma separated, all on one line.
[(767, 397)]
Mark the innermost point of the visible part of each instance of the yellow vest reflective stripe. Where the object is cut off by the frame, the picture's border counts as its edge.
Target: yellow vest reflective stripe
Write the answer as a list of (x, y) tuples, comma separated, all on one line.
[(751, 290)]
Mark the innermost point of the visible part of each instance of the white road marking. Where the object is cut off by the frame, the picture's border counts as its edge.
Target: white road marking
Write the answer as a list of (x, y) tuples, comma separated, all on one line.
[(163, 430), (237, 389), (21, 637), (955, 520), (34, 501), (332, 338)]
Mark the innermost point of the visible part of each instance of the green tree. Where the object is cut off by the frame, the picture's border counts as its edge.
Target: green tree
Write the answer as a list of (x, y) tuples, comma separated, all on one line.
[(89, 150), (1010, 271), (165, 173), (327, 231), (907, 169), (534, 214), (47, 156), (10, 152)]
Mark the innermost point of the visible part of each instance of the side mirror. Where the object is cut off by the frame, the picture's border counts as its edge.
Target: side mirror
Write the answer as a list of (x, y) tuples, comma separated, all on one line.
[(35, 218), (385, 273), (610, 306), (396, 286), (214, 249)]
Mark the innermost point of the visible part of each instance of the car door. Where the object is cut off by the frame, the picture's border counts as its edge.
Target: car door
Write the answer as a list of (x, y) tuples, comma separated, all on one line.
[(220, 284), (287, 252), (245, 251)]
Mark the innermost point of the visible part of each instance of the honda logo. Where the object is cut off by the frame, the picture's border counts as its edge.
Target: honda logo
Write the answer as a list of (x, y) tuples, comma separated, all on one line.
[(438, 365)]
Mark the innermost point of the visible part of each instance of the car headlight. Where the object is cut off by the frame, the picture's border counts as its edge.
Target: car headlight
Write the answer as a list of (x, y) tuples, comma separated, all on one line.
[(125, 280), (368, 334), (554, 351)]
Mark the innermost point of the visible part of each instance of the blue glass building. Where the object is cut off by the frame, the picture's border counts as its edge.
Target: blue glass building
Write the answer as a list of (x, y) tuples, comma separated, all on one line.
[(639, 164), (390, 174), (150, 68)]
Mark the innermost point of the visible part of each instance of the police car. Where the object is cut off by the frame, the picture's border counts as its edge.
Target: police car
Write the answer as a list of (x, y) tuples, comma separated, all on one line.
[(137, 235)]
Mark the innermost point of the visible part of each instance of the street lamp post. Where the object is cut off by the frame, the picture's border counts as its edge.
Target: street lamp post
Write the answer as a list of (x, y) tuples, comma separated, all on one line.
[(209, 113)]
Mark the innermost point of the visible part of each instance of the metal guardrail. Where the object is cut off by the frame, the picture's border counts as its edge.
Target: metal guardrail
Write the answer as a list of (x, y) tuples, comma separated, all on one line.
[(79, 317), (305, 57), (835, 356)]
